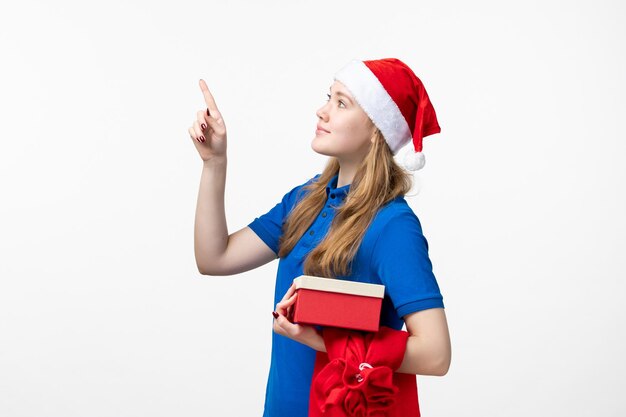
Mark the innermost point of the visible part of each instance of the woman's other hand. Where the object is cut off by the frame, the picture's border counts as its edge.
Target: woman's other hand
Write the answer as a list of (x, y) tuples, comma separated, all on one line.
[(302, 333), (208, 132)]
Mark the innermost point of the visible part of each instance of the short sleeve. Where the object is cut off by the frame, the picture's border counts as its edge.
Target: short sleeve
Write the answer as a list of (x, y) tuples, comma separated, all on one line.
[(400, 259), (269, 225)]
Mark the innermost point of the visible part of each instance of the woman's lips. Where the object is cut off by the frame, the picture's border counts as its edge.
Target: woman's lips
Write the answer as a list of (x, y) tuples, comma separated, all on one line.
[(320, 130)]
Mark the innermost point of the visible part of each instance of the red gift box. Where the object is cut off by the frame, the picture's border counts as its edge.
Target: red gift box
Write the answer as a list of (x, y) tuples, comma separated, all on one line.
[(337, 303)]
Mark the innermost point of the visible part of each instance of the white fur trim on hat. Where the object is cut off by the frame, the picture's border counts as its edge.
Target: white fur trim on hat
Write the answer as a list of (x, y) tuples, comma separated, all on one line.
[(368, 91)]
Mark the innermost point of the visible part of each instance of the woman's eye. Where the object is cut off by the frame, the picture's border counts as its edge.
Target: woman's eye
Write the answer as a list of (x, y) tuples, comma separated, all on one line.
[(340, 101)]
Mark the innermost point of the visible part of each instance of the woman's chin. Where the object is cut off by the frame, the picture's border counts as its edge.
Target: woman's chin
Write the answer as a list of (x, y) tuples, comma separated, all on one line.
[(320, 149)]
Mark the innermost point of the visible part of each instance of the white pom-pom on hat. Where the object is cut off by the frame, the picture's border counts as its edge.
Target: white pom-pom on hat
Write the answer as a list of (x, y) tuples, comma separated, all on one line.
[(413, 161)]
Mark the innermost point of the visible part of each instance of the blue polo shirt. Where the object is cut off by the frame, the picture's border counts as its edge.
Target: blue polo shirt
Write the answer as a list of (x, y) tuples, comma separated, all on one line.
[(393, 252)]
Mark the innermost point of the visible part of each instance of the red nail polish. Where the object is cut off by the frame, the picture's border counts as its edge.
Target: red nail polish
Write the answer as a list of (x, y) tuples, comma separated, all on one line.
[(207, 111), (275, 314), (203, 126), (202, 139)]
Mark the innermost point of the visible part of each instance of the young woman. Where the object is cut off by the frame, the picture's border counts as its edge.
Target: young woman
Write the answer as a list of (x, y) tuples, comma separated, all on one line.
[(350, 221)]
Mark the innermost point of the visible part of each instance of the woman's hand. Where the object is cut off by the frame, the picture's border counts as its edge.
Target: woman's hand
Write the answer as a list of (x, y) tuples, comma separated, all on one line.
[(208, 130), (304, 334)]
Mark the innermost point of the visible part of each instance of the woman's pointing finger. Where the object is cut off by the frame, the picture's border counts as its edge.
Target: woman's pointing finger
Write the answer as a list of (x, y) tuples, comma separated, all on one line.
[(209, 100)]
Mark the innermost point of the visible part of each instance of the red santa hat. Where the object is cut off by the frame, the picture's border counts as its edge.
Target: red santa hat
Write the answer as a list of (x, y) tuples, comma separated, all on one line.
[(396, 101)]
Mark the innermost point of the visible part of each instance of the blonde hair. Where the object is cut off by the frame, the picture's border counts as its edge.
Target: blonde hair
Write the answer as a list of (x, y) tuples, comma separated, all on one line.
[(378, 180)]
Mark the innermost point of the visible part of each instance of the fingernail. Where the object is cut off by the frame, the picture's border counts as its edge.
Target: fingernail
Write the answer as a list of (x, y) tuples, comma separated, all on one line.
[(207, 111), (202, 138), (275, 314), (203, 126)]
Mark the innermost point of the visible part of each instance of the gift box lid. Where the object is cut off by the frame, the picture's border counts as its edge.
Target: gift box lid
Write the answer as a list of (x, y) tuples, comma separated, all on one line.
[(339, 286)]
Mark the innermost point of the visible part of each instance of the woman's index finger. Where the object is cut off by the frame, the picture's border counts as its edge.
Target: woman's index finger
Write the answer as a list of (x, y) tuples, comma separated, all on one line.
[(290, 291), (208, 97)]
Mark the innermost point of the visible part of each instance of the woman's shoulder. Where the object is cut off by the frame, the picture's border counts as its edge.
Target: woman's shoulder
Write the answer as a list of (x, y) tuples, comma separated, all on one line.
[(395, 222), (297, 192), (396, 207), (396, 212), (314, 179), (310, 181)]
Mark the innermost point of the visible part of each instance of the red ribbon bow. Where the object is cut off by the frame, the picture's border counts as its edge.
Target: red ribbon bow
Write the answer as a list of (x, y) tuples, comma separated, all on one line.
[(359, 392), (359, 379)]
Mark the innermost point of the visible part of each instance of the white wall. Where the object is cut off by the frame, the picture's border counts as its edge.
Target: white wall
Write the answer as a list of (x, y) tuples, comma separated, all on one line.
[(102, 310)]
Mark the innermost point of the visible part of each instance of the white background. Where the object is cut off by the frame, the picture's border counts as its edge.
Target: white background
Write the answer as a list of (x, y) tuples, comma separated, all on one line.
[(102, 309)]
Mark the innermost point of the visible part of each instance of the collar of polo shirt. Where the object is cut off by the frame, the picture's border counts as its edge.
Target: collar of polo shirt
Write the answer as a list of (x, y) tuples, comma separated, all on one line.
[(332, 188)]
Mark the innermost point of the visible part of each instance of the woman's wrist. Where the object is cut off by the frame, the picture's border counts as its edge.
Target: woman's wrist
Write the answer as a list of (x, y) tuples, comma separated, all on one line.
[(318, 342), (214, 161)]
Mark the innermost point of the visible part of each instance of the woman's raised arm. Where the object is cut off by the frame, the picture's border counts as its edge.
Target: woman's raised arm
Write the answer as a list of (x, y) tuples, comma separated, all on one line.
[(217, 252)]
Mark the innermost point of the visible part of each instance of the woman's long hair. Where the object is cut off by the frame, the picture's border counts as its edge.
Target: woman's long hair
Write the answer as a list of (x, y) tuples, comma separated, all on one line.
[(377, 181)]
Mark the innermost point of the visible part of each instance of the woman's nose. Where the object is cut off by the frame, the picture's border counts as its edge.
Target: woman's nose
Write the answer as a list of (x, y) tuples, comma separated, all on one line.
[(322, 113)]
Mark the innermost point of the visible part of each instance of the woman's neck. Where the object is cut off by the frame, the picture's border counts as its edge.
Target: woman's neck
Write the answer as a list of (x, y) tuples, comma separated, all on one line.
[(346, 175)]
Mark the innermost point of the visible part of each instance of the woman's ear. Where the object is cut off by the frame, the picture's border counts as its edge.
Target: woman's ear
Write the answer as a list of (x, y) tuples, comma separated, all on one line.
[(374, 135)]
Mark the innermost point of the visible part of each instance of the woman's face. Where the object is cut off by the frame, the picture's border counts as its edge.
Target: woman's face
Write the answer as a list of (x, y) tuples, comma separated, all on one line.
[(349, 131)]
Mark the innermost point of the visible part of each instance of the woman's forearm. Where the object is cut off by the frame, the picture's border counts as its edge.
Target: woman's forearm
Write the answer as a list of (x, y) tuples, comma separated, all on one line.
[(424, 357), (210, 229)]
